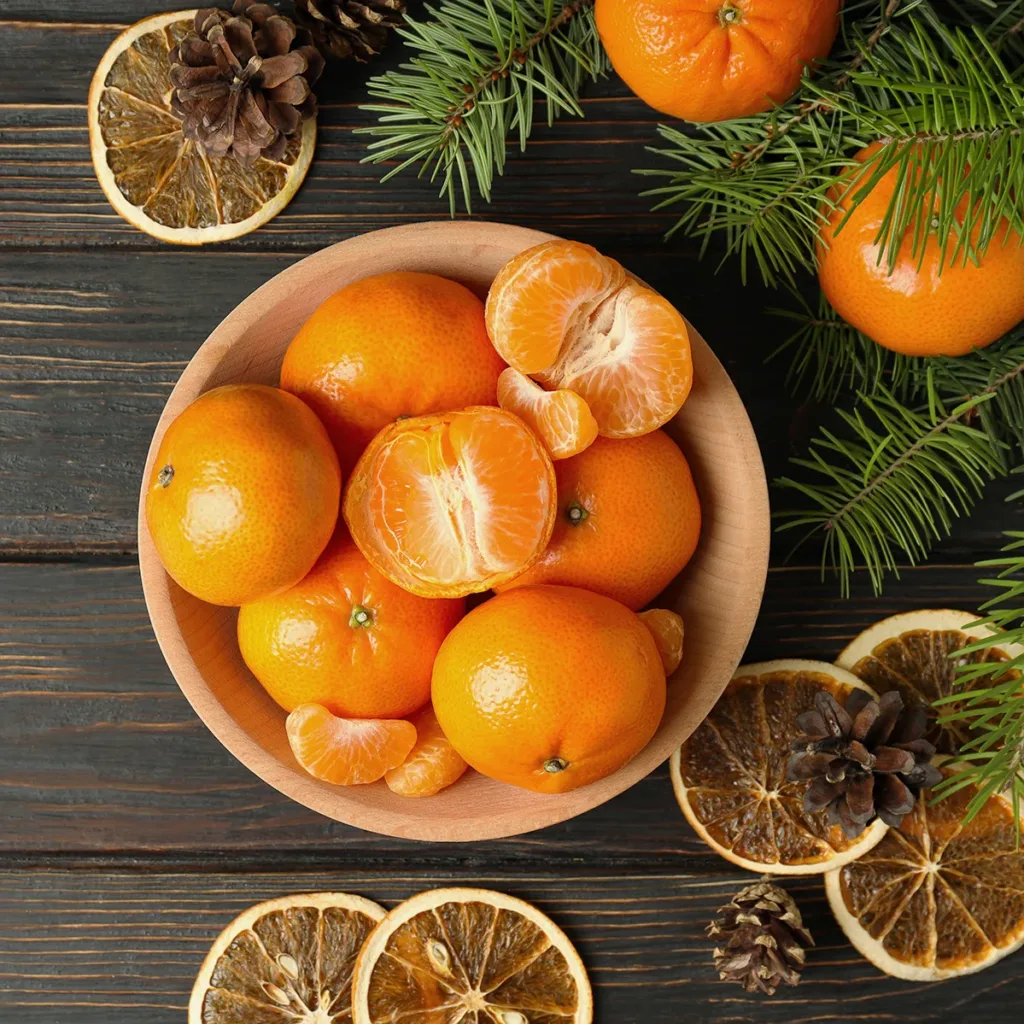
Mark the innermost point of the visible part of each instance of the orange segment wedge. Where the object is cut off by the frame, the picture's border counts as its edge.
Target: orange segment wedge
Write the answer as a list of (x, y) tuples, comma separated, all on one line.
[(667, 629), (433, 764), (453, 503), (539, 295), (561, 419), (574, 319), (347, 751)]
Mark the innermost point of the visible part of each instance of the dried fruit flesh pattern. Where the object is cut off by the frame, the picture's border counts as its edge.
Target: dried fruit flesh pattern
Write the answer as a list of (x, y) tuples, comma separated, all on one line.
[(938, 895), (918, 663), (155, 167), (451, 504), (734, 769), (293, 964), (463, 962)]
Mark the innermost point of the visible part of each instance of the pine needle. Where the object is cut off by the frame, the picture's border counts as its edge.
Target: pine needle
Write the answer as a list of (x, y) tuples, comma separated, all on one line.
[(478, 68)]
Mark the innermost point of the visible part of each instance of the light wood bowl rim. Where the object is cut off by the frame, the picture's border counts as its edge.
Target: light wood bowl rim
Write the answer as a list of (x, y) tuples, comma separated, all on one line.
[(527, 811)]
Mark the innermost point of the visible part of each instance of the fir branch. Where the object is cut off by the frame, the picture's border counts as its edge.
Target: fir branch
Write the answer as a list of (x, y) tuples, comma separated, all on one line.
[(478, 68), (891, 483), (991, 703)]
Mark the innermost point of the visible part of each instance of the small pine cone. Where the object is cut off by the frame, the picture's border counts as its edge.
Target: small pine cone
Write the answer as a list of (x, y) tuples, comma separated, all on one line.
[(243, 81), (764, 939), (865, 761), (350, 28)]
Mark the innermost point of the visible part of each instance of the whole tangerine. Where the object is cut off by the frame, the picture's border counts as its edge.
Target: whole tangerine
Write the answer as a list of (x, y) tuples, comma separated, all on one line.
[(549, 688), (346, 638), (923, 305), (389, 346), (244, 494), (713, 60), (628, 520)]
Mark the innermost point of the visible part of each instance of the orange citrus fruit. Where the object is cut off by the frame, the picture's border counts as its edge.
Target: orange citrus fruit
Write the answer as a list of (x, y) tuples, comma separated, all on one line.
[(347, 751), (432, 765), (243, 496), (572, 318), (549, 688), (922, 306), (396, 344), (561, 419), (667, 629), (936, 898), (713, 60), (628, 520), (730, 775), (452, 504), (346, 637)]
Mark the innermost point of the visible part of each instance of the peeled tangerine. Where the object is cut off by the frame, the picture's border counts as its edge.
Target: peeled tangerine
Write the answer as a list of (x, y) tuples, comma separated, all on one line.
[(561, 419), (574, 319), (453, 503)]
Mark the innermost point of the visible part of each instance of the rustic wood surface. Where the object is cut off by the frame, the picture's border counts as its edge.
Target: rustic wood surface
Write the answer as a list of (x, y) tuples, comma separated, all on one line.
[(128, 836)]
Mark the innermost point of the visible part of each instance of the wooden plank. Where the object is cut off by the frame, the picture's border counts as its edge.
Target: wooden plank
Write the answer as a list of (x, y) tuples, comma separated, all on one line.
[(101, 756), (116, 948)]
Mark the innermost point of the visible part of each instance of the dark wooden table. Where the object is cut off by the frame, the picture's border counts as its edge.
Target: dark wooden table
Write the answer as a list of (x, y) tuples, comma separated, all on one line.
[(128, 835)]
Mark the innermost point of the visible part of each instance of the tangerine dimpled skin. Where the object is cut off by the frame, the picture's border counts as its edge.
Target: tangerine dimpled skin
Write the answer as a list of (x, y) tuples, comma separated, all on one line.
[(244, 493), (712, 60), (396, 344), (628, 520), (922, 307), (346, 638), (549, 688)]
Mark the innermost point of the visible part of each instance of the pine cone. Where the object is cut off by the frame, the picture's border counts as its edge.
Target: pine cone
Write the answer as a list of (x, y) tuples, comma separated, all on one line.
[(349, 28), (867, 760), (242, 81), (765, 939)]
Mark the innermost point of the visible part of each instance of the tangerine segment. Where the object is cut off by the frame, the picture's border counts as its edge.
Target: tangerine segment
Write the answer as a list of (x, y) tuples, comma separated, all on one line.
[(469, 955), (452, 504), (347, 751), (542, 295), (938, 897), (630, 360), (561, 419), (433, 764), (667, 629), (730, 775)]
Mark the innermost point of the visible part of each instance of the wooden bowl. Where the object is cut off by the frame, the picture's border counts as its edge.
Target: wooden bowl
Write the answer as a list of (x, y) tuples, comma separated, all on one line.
[(718, 595)]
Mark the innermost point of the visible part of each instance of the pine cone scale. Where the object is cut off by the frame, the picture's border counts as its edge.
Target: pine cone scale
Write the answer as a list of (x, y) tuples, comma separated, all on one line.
[(350, 28)]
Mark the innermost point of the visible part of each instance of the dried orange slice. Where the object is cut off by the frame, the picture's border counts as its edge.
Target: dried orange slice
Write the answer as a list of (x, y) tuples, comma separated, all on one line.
[(730, 775), (432, 764), (915, 654), (667, 629), (574, 319), (289, 959), (453, 503), (469, 955), (935, 898), (154, 177), (561, 419), (347, 751)]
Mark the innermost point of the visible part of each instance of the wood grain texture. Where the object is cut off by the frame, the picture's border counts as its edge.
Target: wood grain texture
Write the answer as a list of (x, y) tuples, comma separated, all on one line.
[(120, 948), (101, 756)]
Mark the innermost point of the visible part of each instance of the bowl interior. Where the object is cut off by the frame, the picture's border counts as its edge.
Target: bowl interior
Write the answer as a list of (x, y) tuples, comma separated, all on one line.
[(718, 595)]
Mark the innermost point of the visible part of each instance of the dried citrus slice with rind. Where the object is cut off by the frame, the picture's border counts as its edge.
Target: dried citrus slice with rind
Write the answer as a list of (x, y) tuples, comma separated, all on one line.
[(453, 503), (289, 959), (730, 775), (916, 653), (154, 177), (471, 956), (936, 898), (561, 419)]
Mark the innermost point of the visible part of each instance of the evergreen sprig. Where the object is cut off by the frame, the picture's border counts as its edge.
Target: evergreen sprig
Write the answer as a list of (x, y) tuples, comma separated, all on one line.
[(938, 84), (478, 67), (991, 697), (887, 484)]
